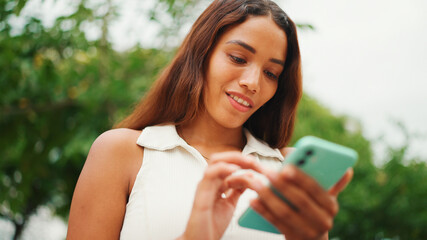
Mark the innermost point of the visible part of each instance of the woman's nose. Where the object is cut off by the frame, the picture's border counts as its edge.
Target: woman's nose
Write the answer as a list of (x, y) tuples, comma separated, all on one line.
[(251, 80)]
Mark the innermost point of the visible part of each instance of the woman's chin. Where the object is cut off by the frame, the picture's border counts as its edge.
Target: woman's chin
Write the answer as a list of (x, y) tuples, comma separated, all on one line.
[(232, 123)]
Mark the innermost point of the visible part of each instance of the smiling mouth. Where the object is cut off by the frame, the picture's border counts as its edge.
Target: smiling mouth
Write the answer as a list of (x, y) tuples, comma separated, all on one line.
[(239, 100)]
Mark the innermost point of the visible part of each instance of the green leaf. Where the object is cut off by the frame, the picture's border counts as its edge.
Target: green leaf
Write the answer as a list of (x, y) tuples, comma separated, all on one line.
[(19, 6)]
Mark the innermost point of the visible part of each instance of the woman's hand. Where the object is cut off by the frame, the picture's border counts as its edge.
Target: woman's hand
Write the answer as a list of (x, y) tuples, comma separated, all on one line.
[(215, 199), (313, 210)]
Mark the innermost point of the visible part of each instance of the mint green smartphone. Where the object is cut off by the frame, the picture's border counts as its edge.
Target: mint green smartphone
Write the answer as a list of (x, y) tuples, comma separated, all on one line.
[(323, 160)]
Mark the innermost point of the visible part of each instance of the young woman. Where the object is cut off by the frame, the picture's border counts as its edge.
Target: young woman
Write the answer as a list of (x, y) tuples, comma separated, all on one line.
[(226, 102)]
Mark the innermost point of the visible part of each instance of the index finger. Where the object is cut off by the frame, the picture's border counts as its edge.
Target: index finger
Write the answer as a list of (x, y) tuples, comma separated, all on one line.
[(237, 158)]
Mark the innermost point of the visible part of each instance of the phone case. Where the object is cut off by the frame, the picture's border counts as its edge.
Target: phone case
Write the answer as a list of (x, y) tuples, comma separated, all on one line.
[(323, 160)]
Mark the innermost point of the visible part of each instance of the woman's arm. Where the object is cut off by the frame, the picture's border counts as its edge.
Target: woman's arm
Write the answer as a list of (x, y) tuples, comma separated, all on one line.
[(100, 197)]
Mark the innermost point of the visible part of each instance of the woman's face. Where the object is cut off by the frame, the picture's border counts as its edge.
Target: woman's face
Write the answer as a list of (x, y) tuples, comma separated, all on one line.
[(243, 69)]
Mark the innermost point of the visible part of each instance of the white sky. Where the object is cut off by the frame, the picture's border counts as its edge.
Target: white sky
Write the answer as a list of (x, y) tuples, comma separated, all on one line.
[(368, 59)]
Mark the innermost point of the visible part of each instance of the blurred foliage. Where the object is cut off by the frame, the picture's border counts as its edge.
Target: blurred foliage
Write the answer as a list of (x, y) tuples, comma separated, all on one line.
[(381, 202), (59, 91)]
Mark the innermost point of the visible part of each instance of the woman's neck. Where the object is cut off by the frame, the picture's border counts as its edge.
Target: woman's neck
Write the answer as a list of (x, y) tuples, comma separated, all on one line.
[(209, 137)]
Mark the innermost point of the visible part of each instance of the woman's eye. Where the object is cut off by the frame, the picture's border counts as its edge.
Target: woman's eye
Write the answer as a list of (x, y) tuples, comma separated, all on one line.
[(271, 75), (237, 59)]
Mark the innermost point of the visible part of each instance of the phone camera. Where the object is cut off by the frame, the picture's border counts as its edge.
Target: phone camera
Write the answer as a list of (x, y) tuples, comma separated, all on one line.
[(309, 153), (301, 162)]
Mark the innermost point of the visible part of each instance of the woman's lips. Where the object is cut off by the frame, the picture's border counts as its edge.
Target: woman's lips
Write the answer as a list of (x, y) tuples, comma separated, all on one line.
[(239, 102)]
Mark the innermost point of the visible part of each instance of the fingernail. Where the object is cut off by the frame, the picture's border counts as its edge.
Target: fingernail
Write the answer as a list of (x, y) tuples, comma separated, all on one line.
[(257, 186), (272, 176), (289, 172), (249, 158), (235, 168)]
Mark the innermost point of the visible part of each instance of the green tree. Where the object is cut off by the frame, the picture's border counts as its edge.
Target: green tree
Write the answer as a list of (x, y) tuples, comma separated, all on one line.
[(380, 202), (60, 91), (390, 202)]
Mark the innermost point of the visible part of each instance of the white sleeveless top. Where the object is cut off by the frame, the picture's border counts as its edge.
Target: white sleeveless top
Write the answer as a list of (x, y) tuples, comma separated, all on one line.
[(162, 197)]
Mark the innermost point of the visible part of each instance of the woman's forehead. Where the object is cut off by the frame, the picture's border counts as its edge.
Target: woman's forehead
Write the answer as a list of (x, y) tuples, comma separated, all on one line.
[(257, 32)]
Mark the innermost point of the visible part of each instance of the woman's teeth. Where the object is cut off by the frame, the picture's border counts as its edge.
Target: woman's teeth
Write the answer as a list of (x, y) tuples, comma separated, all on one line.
[(239, 100)]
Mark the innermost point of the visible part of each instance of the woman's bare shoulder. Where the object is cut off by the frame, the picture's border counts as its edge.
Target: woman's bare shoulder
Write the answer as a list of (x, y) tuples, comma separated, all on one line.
[(117, 148), (120, 139), (112, 151), (102, 190)]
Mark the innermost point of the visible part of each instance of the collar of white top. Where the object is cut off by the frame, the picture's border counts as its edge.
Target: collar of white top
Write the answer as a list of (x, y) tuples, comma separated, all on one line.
[(165, 137)]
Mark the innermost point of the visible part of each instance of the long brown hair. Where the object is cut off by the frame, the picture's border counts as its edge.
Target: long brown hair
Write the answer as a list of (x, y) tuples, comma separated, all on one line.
[(176, 96)]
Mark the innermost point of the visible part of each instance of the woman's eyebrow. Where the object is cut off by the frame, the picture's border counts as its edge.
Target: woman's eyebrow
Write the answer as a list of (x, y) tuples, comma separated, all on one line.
[(252, 50), (280, 62), (243, 44)]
